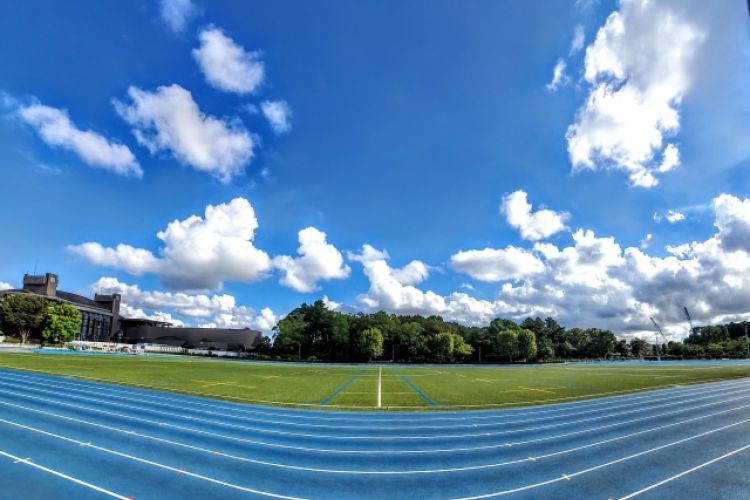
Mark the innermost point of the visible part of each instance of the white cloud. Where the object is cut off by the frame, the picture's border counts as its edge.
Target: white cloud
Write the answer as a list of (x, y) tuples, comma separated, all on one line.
[(226, 65), (388, 293), (170, 120), (733, 222), (639, 69), (647, 241), (177, 13), (199, 253), (493, 264), (319, 260), (673, 216), (559, 77), (56, 129), (5, 286), (579, 37), (278, 114), (532, 225), (330, 304), (595, 282), (210, 311)]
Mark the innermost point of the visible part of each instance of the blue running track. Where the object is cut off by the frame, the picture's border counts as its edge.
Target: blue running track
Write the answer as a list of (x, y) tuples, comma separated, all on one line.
[(67, 438)]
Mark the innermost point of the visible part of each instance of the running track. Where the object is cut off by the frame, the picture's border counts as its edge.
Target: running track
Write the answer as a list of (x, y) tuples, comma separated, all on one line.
[(67, 438)]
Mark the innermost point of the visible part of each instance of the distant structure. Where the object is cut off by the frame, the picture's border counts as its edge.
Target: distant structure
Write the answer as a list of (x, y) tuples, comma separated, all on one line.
[(101, 321)]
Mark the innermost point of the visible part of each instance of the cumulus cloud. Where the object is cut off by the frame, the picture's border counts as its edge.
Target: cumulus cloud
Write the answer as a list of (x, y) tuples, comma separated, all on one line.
[(318, 260), (559, 77), (5, 286), (532, 225), (733, 222), (493, 264), (56, 129), (215, 311), (638, 68), (177, 13), (647, 241), (198, 253), (226, 65), (278, 114), (673, 216), (168, 119), (388, 293), (595, 282)]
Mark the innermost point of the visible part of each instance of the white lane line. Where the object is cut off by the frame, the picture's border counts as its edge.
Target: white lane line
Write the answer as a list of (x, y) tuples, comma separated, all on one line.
[(354, 437), (604, 465), (329, 451), (148, 462), (384, 427), (362, 437), (506, 406), (380, 387), (367, 472), (685, 473), (652, 394), (26, 461)]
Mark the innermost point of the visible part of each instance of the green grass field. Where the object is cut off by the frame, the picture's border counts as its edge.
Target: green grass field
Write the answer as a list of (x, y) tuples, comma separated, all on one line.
[(356, 387)]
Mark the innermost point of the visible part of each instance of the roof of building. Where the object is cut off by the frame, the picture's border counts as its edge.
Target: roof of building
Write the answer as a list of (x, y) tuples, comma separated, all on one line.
[(62, 296)]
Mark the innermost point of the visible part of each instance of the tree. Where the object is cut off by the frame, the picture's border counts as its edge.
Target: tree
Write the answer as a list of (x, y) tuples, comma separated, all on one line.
[(23, 315), (461, 350), (371, 343), (638, 347), (443, 346), (290, 333), (63, 321), (526, 344), (507, 344)]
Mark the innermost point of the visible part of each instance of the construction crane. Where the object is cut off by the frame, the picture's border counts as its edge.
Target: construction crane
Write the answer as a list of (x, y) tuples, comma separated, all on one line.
[(690, 321), (656, 338)]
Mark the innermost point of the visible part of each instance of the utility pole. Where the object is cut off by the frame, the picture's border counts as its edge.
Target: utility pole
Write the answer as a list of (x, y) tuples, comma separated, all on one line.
[(480, 346)]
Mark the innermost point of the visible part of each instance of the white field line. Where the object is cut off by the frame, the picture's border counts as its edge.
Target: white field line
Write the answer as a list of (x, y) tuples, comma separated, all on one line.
[(685, 473), (94, 487), (131, 433), (355, 437), (380, 387), (145, 461), (140, 398), (509, 405), (566, 477)]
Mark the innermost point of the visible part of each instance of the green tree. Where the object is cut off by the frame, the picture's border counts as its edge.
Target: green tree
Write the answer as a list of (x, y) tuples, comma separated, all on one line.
[(23, 315), (507, 343), (371, 343), (443, 346), (638, 347), (290, 333), (63, 321), (461, 350), (526, 344)]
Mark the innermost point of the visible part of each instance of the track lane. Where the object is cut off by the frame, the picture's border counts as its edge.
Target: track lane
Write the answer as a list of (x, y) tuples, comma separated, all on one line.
[(712, 413)]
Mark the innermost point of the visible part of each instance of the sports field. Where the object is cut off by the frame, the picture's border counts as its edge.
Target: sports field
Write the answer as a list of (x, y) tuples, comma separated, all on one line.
[(369, 387), (69, 438)]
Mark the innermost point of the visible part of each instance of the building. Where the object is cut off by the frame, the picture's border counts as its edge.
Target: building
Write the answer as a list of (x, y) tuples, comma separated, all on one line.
[(100, 318), (101, 321)]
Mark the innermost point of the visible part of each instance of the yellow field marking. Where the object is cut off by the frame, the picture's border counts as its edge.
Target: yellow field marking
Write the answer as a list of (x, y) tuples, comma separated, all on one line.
[(484, 380), (461, 375), (209, 383), (270, 376), (537, 390)]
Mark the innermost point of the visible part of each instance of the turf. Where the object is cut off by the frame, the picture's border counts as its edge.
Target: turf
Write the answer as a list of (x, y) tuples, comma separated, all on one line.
[(355, 387)]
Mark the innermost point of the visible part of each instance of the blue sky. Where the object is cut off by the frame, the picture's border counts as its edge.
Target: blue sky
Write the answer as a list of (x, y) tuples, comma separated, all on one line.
[(422, 130)]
